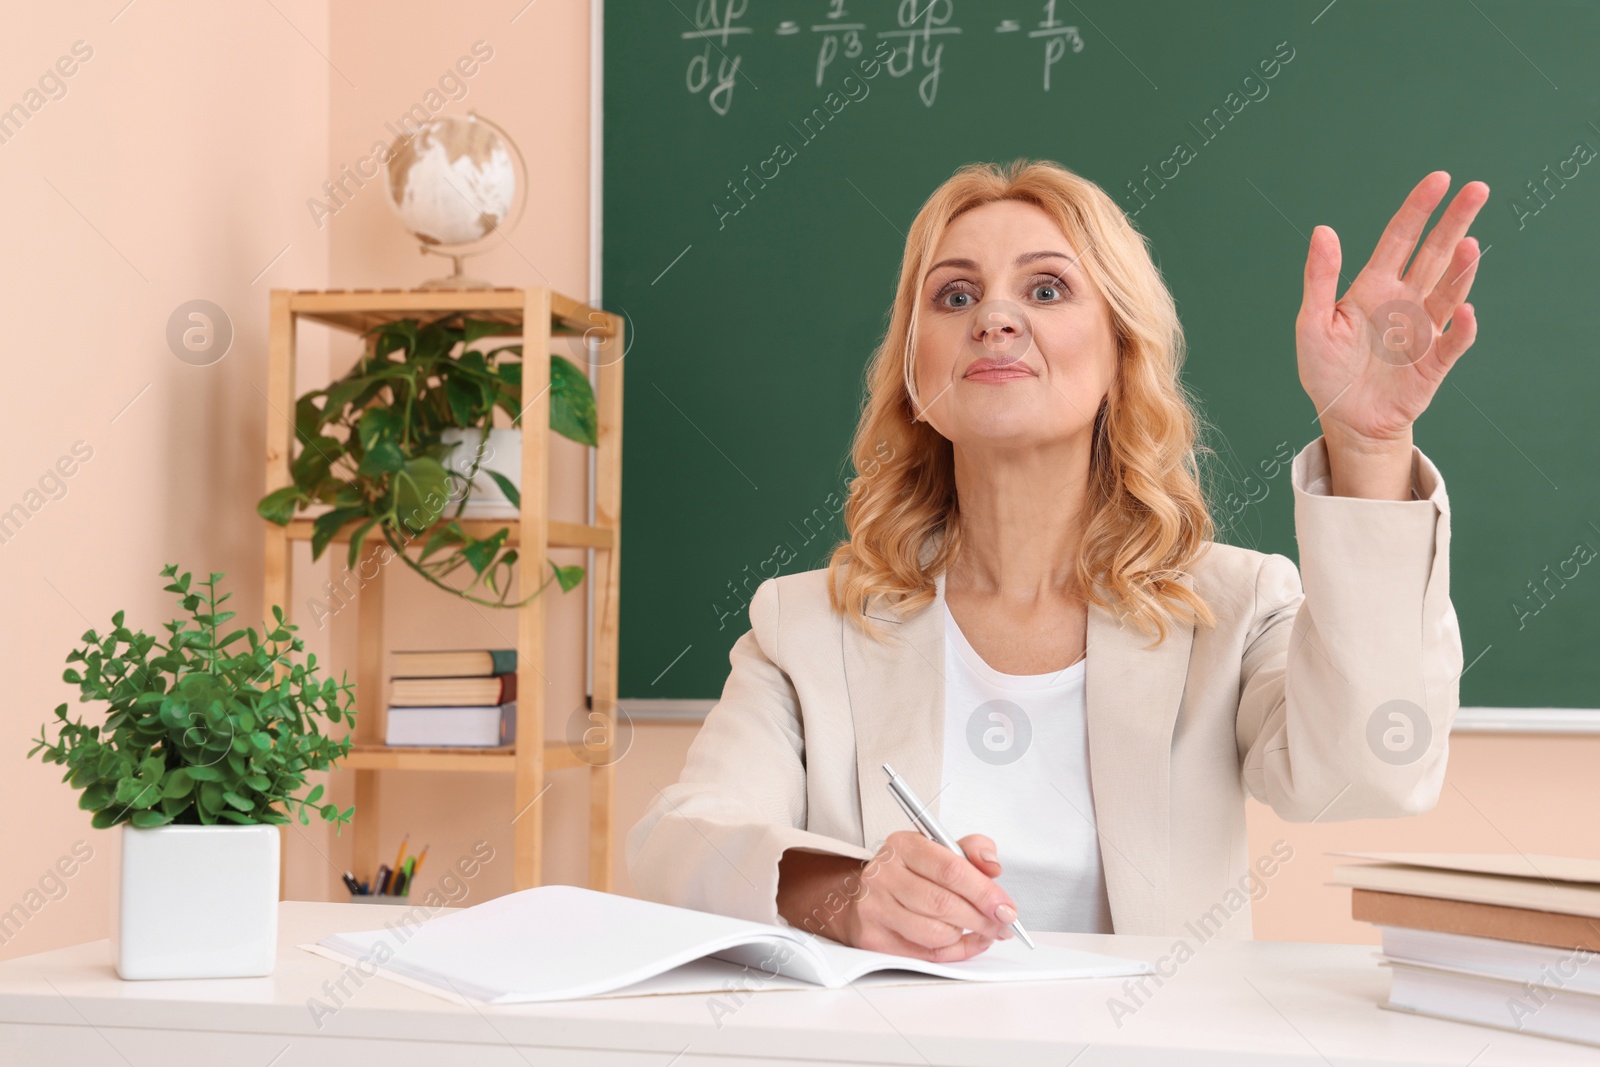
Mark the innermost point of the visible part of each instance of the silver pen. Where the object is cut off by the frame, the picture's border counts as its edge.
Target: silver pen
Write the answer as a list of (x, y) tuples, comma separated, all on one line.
[(923, 820)]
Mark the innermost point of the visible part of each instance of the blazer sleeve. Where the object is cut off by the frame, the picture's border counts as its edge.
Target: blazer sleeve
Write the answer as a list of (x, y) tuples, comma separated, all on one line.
[(712, 840), (1350, 682)]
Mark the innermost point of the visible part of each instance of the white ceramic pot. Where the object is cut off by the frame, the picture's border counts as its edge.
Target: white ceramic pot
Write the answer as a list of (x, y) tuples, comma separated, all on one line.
[(197, 902), (503, 455)]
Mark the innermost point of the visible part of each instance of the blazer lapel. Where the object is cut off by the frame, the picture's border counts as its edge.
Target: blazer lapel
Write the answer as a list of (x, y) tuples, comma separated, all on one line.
[(896, 692), (1132, 695)]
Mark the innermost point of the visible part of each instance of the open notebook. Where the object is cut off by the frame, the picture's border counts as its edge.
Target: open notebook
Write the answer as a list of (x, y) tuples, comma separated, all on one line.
[(562, 942)]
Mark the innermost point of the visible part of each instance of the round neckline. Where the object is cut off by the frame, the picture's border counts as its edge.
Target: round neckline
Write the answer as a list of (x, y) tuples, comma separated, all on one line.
[(1068, 675)]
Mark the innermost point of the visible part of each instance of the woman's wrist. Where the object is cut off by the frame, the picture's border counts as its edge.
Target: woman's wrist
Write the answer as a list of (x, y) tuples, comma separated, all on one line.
[(816, 894), (1360, 466)]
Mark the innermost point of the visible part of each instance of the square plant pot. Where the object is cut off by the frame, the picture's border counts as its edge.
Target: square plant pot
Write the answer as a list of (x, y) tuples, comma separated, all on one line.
[(197, 902), (503, 455)]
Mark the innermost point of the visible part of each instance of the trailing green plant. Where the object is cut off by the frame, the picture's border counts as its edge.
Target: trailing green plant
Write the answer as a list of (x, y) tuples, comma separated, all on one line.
[(373, 448), (198, 734)]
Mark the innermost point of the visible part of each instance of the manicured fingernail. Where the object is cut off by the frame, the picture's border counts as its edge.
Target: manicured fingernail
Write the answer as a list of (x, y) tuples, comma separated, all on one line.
[(1006, 914), (988, 855)]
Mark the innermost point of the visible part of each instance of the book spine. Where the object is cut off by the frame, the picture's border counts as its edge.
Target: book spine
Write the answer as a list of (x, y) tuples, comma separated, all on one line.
[(504, 660)]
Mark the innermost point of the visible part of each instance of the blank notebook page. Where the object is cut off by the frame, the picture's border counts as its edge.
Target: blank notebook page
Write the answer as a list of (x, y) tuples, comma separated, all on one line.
[(561, 942)]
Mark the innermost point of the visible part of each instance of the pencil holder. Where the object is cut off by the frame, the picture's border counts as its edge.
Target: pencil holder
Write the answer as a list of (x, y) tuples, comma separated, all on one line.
[(378, 898)]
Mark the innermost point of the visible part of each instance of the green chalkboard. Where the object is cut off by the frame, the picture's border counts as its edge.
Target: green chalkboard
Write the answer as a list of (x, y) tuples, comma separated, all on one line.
[(755, 305)]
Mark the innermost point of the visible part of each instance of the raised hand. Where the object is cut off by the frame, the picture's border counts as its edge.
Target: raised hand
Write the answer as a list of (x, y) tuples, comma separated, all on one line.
[(1372, 360)]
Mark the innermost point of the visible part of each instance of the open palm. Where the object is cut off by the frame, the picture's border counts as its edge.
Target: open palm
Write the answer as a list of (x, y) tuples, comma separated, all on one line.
[(1372, 360)]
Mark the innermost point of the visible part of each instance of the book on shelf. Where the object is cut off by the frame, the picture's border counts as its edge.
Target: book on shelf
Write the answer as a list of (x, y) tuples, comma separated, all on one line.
[(464, 692), (447, 726), (453, 663), (1506, 940), (563, 942)]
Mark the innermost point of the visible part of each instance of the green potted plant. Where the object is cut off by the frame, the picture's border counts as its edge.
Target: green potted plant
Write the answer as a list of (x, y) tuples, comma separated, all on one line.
[(376, 447), (204, 748)]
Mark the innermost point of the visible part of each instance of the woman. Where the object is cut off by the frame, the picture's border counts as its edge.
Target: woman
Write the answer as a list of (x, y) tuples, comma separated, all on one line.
[(1030, 622)]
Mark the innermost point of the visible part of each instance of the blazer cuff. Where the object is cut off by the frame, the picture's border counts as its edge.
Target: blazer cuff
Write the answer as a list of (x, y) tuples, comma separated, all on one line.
[(1313, 475), (1347, 542), (711, 863)]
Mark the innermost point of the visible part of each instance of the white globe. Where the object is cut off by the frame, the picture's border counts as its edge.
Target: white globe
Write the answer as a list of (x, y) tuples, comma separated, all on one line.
[(455, 181)]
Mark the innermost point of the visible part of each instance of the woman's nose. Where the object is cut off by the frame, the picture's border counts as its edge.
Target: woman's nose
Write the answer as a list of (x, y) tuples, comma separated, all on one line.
[(999, 328)]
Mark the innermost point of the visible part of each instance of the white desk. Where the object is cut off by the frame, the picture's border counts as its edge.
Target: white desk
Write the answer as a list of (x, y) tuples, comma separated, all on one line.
[(1234, 1004)]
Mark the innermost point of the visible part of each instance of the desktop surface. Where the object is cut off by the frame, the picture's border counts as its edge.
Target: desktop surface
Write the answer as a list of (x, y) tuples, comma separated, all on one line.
[(1234, 1002)]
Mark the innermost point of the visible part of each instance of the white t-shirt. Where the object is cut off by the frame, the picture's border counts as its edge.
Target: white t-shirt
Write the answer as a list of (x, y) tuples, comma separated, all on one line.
[(1016, 769)]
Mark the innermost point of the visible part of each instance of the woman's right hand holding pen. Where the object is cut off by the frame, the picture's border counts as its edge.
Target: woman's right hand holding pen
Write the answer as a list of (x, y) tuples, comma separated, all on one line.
[(914, 898)]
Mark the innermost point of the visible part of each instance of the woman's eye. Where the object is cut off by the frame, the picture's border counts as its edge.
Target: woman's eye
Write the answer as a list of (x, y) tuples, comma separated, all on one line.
[(1050, 287), (957, 293)]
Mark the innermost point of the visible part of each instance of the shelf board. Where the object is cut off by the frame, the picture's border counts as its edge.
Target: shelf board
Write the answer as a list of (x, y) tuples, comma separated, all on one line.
[(557, 534), (358, 310), (502, 760)]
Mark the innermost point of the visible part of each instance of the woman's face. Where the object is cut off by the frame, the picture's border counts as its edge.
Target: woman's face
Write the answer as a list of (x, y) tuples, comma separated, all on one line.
[(1015, 345)]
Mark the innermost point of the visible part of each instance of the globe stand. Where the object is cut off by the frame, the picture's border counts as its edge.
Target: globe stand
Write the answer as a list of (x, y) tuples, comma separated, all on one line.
[(457, 279)]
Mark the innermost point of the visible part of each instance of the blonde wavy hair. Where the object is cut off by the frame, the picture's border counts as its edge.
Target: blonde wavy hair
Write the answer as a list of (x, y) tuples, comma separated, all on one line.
[(1147, 519)]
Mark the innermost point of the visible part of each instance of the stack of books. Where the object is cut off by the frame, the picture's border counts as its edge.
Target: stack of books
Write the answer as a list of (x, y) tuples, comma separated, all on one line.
[(1505, 940), (453, 699)]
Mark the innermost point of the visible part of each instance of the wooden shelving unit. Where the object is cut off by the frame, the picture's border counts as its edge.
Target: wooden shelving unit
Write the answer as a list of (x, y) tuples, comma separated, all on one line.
[(536, 315)]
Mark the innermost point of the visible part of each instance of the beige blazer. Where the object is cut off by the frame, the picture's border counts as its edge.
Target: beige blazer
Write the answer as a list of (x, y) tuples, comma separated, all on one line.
[(1287, 699)]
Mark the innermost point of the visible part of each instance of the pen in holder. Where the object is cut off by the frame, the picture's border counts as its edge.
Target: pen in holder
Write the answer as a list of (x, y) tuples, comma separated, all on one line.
[(391, 885), (379, 898)]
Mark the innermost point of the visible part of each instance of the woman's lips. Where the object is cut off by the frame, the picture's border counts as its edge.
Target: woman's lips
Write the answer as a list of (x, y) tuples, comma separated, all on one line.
[(1003, 372)]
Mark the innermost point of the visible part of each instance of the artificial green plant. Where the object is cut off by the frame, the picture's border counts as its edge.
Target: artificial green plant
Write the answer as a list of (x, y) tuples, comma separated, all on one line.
[(199, 733)]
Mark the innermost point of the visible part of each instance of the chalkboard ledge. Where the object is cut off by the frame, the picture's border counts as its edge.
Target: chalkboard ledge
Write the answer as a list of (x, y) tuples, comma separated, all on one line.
[(657, 710), (1527, 721)]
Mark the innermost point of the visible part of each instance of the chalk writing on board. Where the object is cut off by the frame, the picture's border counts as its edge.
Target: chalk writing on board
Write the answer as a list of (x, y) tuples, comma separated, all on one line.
[(714, 24), (1056, 36), (840, 39), (927, 23), (918, 40)]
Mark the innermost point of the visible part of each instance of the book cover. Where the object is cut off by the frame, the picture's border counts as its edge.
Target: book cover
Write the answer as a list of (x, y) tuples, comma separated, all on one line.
[(1526, 925), (1570, 897)]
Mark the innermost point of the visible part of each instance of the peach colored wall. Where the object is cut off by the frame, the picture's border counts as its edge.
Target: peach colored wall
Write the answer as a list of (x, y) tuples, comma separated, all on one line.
[(173, 168)]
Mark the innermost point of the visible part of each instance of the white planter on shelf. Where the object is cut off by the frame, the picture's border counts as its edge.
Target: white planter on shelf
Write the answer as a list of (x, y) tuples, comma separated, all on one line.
[(503, 455), (197, 902)]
